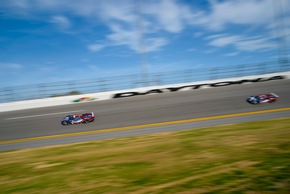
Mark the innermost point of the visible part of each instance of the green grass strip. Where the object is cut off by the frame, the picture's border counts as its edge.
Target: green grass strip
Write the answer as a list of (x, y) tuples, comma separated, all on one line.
[(242, 158)]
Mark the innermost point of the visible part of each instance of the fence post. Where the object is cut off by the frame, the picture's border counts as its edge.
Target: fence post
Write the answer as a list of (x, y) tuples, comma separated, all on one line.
[(264, 68), (42, 90), (214, 73), (258, 69), (188, 75), (284, 65), (9, 94), (102, 85), (240, 71), (158, 80), (71, 86)]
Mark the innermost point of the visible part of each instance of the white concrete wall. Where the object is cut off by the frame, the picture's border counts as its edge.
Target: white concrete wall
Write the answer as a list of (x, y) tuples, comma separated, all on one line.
[(64, 100)]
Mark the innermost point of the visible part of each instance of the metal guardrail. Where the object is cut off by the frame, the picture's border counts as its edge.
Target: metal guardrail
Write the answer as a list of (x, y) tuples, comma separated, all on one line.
[(44, 90)]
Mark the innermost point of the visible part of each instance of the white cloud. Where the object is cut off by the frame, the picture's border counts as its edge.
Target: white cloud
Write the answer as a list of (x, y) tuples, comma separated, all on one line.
[(168, 15), (120, 36), (123, 11), (131, 24), (242, 43), (14, 66), (46, 69), (232, 54), (154, 44), (255, 13), (132, 38), (224, 41), (96, 47), (197, 34), (11, 66), (61, 21), (209, 51), (191, 49), (171, 16), (49, 62), (246, 12), (256, 44), (85, 60)]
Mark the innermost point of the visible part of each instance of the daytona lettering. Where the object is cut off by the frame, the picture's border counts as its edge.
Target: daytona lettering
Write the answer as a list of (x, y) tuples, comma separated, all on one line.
[(194, 87)]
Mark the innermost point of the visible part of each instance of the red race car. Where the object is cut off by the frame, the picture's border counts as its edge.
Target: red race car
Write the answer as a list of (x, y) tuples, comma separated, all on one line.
[(78, 118), (263, 98)]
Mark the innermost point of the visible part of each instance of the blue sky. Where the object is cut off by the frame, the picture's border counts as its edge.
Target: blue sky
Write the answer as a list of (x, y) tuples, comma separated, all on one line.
[(45, 41)]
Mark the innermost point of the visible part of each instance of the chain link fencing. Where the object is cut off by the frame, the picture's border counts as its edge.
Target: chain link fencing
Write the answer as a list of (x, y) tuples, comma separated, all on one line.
[(44, 90)]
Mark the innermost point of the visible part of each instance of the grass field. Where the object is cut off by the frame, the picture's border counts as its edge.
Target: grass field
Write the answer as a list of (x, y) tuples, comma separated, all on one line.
[(242, 158)]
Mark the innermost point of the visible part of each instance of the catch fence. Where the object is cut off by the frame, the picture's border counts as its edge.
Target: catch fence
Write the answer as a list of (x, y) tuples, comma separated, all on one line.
[(44, 90)]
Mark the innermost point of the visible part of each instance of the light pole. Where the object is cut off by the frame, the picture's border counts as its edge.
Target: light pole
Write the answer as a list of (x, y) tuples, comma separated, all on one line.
[(142, 44), (282, 44)]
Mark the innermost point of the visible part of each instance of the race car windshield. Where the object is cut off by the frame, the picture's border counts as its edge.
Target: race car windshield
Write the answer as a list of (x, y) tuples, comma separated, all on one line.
[(68, 117), (78, 119), (87, 115)]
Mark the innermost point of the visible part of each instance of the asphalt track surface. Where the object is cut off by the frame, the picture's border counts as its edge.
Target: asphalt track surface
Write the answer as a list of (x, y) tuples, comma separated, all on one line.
[(147, 114)]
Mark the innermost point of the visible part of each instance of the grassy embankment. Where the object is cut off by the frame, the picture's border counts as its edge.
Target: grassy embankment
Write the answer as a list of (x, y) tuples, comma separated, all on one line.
[(243, 158)]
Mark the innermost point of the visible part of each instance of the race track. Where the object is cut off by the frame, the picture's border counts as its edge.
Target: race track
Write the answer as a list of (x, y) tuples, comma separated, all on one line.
[(140, 110)]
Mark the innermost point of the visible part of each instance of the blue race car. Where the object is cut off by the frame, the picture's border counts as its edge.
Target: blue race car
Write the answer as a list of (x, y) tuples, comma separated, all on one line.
[(78, 119)]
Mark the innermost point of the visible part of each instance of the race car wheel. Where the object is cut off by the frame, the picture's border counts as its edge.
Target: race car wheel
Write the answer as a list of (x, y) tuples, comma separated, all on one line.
[(64, 123)]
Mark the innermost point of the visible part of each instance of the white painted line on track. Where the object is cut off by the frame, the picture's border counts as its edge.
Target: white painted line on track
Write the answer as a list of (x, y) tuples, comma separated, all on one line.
[(42, 115)]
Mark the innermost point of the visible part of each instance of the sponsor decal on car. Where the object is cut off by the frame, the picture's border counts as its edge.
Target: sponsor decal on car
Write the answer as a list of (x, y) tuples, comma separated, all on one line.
[(198, 86), (84, 99)]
